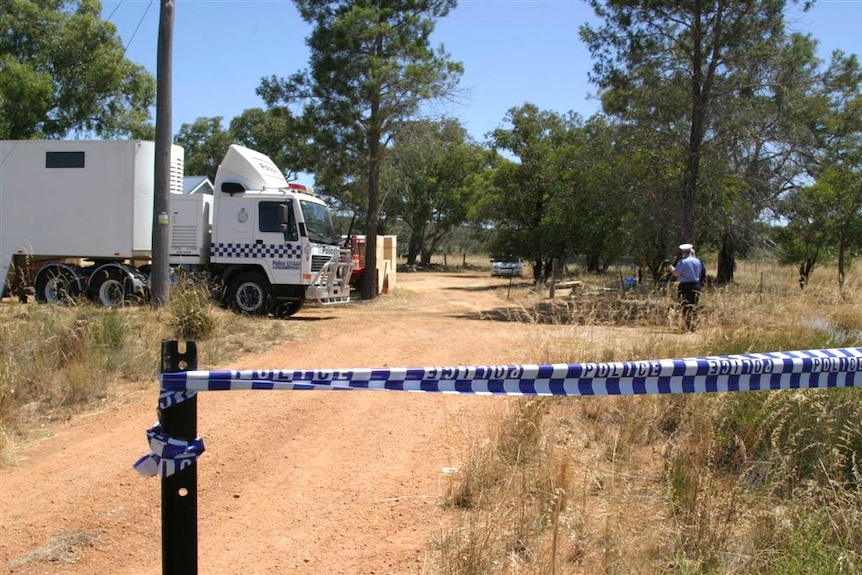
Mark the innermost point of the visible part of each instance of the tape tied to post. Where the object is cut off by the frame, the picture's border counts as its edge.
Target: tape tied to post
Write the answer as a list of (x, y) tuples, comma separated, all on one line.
[(167, 455)]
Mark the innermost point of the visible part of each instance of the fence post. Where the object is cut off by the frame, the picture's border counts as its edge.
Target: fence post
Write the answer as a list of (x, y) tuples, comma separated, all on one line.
[(180, 491)]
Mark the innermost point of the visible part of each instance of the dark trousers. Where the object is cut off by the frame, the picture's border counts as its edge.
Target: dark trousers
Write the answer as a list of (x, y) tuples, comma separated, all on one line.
[(689, 294)]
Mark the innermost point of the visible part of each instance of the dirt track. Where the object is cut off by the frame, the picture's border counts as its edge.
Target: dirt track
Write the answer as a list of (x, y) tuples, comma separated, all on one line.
[(292, 482)]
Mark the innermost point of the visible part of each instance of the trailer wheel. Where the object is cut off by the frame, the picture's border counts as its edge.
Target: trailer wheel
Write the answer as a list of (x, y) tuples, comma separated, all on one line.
[(55, 284), (107, 287), (250, 294)]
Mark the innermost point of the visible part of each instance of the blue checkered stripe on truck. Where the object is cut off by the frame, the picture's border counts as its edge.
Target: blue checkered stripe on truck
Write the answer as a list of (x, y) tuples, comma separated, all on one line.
[(244, 250)]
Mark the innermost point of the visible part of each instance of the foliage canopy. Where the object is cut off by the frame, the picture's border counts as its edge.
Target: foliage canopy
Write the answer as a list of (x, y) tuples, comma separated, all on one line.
[(371, 67), (63, 72)]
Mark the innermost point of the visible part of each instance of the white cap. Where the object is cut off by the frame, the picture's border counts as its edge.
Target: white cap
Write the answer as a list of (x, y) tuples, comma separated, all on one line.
[(686, 247)]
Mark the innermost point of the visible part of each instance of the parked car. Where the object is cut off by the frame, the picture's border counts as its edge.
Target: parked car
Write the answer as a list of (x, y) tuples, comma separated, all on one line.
[(507, 267)]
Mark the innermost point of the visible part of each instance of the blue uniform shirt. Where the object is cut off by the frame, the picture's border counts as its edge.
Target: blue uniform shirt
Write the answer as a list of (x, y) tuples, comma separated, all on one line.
[(689, 269)]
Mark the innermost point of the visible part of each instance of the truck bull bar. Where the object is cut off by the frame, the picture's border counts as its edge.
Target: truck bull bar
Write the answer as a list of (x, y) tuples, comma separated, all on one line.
[(331, 285)]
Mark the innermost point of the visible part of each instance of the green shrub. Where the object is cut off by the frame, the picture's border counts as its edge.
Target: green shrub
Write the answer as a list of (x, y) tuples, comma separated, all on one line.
[(799, 435)]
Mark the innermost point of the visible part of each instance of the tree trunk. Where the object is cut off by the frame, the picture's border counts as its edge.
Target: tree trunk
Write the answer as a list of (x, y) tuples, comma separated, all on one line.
[(368, 287), (842, 246), (688, 226), (704, 62), (554, 273), (689, 185), (412, 252), (537, 271), (805, 269), (726, 261), (416, 240)]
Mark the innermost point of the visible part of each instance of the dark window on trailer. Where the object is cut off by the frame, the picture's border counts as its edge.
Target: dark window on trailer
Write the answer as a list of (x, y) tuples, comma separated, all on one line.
[(64, 159)]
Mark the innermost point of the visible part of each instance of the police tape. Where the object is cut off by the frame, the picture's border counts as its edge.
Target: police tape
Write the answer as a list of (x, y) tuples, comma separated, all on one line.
[(167, 455), (749, 372), (808, 369)]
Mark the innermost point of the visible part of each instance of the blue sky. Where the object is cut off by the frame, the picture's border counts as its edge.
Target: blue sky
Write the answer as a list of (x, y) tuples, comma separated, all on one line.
[(513, 52)]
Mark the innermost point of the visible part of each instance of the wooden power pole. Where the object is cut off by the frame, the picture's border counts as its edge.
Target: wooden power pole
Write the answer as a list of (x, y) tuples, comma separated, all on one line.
[(160, 279)]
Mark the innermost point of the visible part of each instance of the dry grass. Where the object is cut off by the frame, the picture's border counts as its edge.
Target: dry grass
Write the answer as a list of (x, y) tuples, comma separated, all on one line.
[(56, 361), (731, 483), (60, 549)]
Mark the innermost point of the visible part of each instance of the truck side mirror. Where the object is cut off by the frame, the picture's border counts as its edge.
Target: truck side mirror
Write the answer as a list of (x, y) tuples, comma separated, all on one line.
[(232, 188), (287, 223)]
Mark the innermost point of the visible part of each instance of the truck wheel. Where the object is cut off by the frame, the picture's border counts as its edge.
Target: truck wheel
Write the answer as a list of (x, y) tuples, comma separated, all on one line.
[(107, 287), (55, 285), (290, 308), (250, 294)]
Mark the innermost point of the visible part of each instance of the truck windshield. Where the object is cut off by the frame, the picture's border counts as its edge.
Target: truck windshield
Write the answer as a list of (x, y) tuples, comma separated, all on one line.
[(318, 223)]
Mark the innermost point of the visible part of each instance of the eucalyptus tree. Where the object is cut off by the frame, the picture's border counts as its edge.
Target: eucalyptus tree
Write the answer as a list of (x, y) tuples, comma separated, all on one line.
[(827, 214), (371, 68), (63, 72), (840, 189), (840, 167), (825, 219), (674, 67), (764, 145), (269, 132), (805, 239), (526, 189), (595, 210), (648, 172), (205, 143), (430, 180)]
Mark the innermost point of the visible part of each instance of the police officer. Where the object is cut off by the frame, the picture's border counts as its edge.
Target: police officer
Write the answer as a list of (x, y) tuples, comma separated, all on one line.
[(688, 272)]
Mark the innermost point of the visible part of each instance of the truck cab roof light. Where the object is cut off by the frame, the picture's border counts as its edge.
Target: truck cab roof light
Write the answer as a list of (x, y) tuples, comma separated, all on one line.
[(300, 188)]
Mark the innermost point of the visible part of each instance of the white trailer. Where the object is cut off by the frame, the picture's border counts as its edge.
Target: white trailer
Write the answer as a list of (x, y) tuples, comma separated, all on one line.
[(80, 215)]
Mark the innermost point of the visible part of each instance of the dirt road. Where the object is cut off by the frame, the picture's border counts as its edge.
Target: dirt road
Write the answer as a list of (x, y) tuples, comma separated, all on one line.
[(315, 482)]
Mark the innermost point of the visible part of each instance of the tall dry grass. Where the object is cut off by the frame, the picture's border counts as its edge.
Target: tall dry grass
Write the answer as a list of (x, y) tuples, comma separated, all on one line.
[(758, 482), (729, 483), (58, 360)]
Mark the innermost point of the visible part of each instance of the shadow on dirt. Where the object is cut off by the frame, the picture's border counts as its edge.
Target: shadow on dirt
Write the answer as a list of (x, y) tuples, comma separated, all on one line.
[(308, 318), (489, 287), (607, 311)]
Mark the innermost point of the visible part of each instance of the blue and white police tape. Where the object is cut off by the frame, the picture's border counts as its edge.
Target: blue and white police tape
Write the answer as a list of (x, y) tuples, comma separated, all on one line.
[(167, 455), (749, 372), (819, 368)]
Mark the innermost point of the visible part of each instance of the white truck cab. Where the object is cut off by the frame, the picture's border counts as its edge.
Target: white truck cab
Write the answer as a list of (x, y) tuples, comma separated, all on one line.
[(273, 243)]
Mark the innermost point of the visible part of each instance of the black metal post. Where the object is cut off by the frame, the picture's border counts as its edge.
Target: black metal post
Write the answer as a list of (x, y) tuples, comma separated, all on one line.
[(180, 491)]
